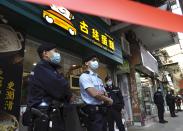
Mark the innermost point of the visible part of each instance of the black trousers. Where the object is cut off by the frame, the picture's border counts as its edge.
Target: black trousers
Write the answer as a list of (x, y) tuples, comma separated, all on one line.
[(115, 116), (178, 106), (172, 109), (161, 111), (96, 118), (96, 122)]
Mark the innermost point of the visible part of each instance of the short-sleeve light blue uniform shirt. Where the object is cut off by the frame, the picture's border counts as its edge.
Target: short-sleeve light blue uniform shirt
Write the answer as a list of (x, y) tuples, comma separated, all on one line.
[(92, 80)]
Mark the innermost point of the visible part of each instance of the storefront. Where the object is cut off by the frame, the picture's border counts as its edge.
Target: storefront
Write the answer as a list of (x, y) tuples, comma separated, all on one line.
[(144, 69), (146, 90), (147, 85), (71, 68), (80, 35)]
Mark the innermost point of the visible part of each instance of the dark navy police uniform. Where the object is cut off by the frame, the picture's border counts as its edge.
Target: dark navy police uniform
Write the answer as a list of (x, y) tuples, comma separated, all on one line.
[(170, 100), (114, 111), (46, 84), (159, 101)]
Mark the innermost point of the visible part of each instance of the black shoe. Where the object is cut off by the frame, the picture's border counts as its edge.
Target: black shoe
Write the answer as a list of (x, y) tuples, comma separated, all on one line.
[(174, 116), (165, 121), (162, 122)]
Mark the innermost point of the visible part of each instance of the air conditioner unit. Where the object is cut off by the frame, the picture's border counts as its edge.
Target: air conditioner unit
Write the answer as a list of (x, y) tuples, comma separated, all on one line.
[(125, 46)]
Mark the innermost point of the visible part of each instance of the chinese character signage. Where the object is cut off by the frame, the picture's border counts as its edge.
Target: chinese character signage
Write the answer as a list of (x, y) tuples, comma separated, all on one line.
[(11, 69), (1, 80), (9, 96), (96, 36), (10, 85), (61, 17)]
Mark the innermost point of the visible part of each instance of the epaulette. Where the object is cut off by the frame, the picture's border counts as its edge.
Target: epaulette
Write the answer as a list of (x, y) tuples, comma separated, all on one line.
[(87, 72)]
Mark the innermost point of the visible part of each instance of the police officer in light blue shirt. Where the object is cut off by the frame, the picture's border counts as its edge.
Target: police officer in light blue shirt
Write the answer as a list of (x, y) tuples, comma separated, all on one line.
[(94, 95)]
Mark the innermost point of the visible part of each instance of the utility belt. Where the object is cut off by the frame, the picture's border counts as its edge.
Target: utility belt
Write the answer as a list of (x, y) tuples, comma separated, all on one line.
[(42, 118), (31, 114), (87, 113), (95, 109)]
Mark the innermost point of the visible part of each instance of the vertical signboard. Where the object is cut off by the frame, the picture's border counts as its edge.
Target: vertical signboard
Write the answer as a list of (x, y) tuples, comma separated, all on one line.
[(149, 61), (11, 69)]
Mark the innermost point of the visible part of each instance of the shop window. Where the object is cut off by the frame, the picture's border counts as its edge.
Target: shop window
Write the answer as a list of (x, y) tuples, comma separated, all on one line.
[(145, 93), (30, 60)]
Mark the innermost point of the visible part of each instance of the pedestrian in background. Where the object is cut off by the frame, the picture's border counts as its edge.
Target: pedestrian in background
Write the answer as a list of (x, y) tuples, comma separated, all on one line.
[(159, 101), (170, 100)]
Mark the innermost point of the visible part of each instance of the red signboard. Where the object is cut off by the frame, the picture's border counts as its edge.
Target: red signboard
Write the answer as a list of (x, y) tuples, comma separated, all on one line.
[(123, 10)]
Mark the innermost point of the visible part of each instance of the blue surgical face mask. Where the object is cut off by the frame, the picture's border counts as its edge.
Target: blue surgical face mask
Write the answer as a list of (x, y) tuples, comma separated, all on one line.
[(56, 58), (94, 65)]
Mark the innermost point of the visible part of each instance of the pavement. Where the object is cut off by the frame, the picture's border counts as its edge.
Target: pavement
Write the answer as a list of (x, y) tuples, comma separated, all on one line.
[(174, 124)]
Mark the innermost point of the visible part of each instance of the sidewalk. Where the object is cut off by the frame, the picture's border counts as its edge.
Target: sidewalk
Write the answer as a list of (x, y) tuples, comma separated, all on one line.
[(174, 124)]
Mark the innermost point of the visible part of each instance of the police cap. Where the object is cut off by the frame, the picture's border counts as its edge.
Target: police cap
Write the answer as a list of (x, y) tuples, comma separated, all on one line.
[(45, 47), (89, 57)]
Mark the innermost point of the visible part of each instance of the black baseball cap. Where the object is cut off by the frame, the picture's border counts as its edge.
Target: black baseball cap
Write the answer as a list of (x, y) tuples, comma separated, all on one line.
[(45, 47), (107, 78), (89, 57)]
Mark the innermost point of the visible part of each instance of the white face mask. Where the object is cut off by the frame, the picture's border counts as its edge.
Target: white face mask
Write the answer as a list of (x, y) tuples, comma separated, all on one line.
[(159, 90), (94, 65), (109, 83)]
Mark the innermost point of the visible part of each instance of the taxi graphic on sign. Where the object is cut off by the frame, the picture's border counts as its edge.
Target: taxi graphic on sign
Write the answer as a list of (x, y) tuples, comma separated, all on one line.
[(60, 16)]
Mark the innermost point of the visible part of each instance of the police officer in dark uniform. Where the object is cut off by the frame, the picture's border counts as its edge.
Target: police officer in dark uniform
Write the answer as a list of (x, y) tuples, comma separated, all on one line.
[(48, 90), (170, 100), (159, 101), (94, 95), (114, 111)]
